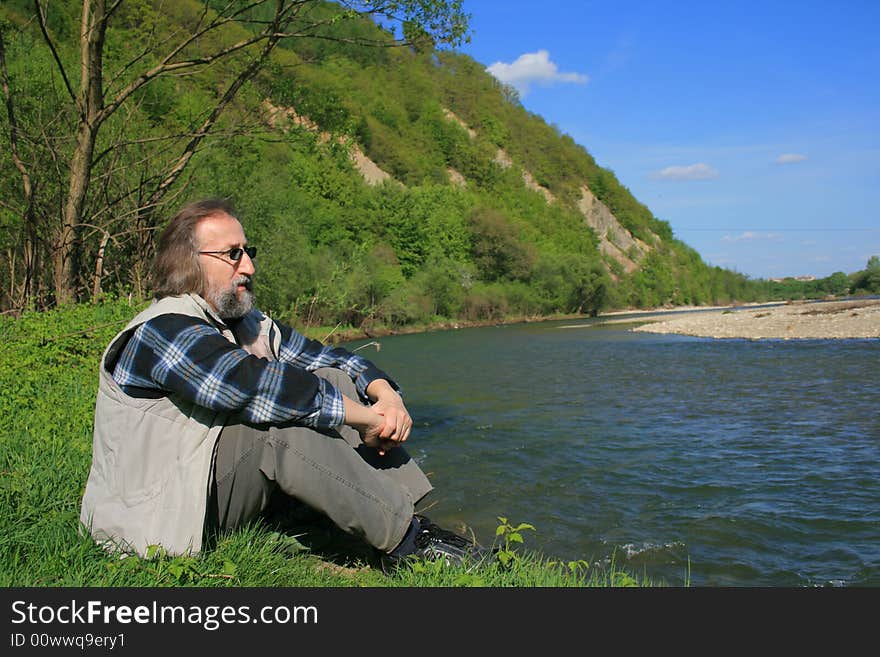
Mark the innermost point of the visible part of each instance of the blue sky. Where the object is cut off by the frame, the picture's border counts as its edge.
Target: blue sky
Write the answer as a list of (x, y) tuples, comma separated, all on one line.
[(753, 128)]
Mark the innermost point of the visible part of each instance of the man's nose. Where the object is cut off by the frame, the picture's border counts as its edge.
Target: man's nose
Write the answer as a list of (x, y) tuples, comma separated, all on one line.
[(246, 265)]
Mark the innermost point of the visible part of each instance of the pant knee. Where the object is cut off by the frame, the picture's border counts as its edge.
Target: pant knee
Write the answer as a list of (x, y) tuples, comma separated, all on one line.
[(340, 380)]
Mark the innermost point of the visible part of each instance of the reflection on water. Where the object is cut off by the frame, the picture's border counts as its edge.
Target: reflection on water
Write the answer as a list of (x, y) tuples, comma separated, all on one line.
[(758, 463)]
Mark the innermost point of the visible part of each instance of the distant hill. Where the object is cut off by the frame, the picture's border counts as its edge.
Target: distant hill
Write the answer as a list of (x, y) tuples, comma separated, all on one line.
[(515, 216), (382, 185)]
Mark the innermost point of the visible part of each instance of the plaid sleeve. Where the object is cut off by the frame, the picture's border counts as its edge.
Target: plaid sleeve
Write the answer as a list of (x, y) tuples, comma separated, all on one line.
[(310, 355), (187, 356)]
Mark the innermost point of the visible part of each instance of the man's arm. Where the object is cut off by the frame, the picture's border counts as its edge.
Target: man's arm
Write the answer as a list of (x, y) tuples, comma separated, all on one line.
[(372, 383), (188, 356), (311, 355)]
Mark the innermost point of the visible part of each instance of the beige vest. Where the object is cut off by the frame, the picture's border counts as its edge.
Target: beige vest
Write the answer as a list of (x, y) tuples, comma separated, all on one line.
[(152, 459)]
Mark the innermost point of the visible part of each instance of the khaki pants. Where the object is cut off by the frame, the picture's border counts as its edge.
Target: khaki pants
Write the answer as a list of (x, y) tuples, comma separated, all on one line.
[(332, 471)]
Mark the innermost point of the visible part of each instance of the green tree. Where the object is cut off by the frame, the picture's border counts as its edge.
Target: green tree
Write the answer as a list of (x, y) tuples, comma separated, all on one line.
[(497, 249), (837, 283), (112, 65), (868, 281)]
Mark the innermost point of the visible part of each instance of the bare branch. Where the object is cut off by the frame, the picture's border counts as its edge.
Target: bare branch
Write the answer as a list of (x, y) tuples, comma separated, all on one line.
[(114, 236), (150, 48), (30, 229), (136, 142), (241, 130), (113, 8), (167, 65), (356, 41), (15, 209), (205, 128), (45, 30), (13, 124), (147, 50)]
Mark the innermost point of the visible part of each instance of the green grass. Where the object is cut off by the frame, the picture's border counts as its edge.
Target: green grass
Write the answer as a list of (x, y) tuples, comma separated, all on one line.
[(48, 379)]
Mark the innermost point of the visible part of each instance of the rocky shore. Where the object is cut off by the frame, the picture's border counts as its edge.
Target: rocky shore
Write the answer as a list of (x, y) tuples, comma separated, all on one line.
[(852, 318)]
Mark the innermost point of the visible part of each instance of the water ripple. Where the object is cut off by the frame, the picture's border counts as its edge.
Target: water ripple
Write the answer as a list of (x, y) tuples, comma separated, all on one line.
[(719, 463)]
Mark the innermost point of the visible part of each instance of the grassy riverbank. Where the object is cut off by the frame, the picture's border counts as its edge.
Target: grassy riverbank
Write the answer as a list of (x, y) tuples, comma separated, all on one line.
[(339, 333), (48, 382)]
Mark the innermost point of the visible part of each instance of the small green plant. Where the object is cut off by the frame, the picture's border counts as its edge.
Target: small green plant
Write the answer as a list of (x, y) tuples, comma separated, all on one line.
[(574, 567), (180, 569), (508, 535), (623, 579)]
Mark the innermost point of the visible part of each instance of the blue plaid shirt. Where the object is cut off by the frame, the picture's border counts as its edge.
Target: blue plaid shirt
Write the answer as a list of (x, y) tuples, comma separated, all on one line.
[(186, 355)]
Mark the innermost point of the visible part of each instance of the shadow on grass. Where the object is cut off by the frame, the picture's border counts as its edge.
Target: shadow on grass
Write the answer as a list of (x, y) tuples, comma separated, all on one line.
[(317, 533)]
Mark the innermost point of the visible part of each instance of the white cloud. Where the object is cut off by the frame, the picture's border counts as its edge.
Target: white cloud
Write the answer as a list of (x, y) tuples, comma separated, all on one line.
[(790, 158), (744, 237), (751, 236), (533, 67), (699, 171)]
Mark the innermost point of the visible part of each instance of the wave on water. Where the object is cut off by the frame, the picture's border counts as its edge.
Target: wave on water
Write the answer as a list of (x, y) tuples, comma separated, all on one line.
[(647, 553), (697, 464)]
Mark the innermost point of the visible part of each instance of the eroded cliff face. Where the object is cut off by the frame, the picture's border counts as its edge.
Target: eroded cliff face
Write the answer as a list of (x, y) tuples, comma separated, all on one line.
[(282, 117), (616, 243)]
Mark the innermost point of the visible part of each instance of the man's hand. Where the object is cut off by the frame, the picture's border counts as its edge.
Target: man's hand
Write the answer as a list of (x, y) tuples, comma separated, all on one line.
[(379, 444), (369, 424), (389, 404)]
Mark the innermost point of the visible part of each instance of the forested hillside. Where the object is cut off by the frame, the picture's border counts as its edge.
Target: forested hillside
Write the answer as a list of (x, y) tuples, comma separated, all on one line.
[(385, 179)]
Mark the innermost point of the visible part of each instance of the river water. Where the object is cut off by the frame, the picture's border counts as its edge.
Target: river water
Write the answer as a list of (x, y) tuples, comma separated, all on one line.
[(685, 460)]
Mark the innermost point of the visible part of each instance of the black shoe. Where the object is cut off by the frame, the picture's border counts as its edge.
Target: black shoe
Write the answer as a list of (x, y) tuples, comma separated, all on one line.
[(430, 542), (433, 543)]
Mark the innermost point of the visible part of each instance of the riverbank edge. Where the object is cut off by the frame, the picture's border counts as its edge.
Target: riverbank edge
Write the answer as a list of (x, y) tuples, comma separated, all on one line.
[(339, 334)]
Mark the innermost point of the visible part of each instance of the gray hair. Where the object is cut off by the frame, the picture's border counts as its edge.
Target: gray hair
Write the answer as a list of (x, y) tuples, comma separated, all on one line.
[(176, 267)]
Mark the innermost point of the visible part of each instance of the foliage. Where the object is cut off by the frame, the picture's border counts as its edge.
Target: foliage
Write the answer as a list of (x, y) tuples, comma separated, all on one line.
[(454, 234), (157, 84), (509, 536), (868, 280)]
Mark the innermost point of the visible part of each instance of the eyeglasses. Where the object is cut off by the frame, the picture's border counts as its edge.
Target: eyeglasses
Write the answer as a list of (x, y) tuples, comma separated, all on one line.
[(235, 253)]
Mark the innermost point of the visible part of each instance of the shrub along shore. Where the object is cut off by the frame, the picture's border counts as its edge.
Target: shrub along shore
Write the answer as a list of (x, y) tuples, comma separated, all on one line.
[(803, 319), (337, 334)]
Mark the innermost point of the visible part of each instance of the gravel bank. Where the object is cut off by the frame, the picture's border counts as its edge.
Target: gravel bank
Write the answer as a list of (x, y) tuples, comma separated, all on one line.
[(799, 320)]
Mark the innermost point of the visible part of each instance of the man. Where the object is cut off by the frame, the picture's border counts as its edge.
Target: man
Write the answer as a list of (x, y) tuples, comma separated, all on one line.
[(206, 406)]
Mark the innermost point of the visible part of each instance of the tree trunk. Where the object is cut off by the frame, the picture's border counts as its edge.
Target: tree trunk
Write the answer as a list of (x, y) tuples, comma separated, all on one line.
[(29, 284), (91, 102), (10, 258), (66, 256), (99, 267)]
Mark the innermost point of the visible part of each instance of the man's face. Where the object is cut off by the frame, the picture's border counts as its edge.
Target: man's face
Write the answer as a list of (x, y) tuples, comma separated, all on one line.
[(228, 284)]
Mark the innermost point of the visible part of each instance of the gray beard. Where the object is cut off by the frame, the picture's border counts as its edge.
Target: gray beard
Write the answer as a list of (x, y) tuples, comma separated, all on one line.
[(228, 304)]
